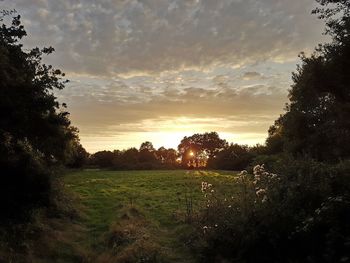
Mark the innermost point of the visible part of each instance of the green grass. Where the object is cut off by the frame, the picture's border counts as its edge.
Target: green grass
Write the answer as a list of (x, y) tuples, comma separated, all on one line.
[(159, 197)]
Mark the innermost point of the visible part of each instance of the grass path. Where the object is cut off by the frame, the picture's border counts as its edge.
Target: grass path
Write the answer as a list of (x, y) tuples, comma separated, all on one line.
[(131, 215)]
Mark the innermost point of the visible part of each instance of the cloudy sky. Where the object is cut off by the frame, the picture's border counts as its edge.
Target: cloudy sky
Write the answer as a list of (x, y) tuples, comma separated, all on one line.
[(160, 69)]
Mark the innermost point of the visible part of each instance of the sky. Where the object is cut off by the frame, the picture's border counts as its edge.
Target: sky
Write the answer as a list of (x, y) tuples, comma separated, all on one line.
[(159, 70)]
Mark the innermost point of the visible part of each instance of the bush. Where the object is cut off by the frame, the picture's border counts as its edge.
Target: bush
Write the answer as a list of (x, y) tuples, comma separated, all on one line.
[(300, 215), (271, 162), (233, 157), (25, 180)]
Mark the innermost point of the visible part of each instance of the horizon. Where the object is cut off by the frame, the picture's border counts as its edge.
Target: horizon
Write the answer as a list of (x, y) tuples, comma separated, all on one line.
[(161, 70), (167, 143)]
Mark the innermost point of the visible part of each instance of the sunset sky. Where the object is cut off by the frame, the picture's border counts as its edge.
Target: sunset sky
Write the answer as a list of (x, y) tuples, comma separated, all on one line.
[(158, 70)]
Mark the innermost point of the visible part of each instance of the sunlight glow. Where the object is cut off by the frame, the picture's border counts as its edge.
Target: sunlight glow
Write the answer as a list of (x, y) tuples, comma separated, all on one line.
[(167, 132), (168, 139)]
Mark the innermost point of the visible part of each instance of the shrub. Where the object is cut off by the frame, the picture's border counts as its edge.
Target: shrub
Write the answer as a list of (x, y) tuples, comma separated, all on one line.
[(25, 180), (271, 162), (300, 215)]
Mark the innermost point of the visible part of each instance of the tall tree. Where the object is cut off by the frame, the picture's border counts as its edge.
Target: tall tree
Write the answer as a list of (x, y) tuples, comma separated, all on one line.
[(317, 120), (147, 153), (198, 148), (166, 156), (232, 157), (147, 146), (35, 131)]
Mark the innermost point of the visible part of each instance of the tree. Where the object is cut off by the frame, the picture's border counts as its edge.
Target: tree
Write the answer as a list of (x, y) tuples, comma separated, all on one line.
[(35, 131), (233, 157), (274, 141), (103, 159), (130, 158), (166, 156), (78, 155), (147, 146), (189, 148), (147, 155), (316, 122), (198, 148), (171, 157)]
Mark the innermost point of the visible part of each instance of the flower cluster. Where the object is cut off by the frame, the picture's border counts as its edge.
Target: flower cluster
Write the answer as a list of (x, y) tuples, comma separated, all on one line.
[(262, 181), (206, 187), (243, 173), (242, 177)]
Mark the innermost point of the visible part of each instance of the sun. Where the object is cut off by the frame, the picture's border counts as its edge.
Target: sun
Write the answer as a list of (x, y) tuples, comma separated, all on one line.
[(191, 153)]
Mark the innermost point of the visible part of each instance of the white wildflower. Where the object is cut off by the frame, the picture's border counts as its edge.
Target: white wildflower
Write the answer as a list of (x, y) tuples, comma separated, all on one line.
[(206, 186), (258, 169), (205, 229), (261, 192), (274, 176), (264, 200), (244, 172)]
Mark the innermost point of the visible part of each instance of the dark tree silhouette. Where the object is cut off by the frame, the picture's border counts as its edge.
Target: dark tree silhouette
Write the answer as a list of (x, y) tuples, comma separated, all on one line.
[(316, 122), (233, 157), (147, 155), (167, 156), (148, 146), (198, 148), (35, 131), (103, 159)]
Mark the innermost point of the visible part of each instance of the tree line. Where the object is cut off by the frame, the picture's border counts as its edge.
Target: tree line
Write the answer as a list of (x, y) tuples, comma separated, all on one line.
[(199, 151)]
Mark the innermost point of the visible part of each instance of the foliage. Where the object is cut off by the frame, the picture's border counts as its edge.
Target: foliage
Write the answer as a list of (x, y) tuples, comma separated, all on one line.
[(316, 121), (272, 162), (197, 151), (232, 157), (147, 158), (167, 156), (103, 159), (306, 204), (273, 213), (147, 146), (147, 153), (78, 156), (35, 132), (198, 148), (25, 181)]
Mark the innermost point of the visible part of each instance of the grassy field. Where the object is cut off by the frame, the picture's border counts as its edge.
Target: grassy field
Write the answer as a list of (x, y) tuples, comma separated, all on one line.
[(137, 216)]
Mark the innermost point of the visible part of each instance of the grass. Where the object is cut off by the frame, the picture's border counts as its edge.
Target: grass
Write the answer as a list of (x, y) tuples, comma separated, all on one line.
[(158, 196), (127, 216)]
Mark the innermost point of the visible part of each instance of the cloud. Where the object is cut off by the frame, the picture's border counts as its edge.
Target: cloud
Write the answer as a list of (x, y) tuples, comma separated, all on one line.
[(142, 68), (147, 37), (110, 107), (251, 75)]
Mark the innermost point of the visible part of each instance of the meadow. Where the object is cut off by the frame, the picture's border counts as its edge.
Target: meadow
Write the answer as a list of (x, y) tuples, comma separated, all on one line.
[(138, 216)]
